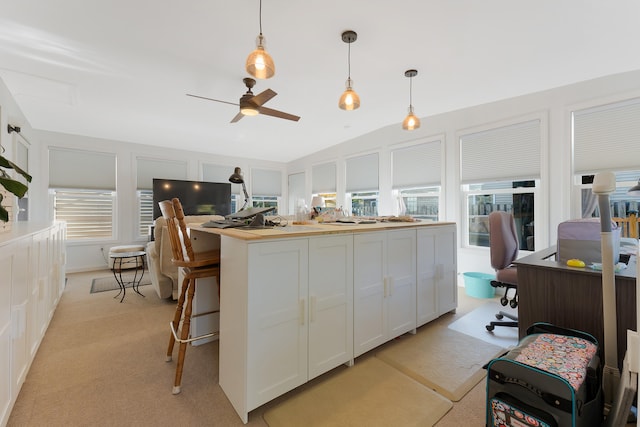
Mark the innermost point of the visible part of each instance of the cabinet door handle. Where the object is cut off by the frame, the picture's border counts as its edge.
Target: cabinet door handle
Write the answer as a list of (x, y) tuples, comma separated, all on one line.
[(312, 309), (391, 286), (301, 313)]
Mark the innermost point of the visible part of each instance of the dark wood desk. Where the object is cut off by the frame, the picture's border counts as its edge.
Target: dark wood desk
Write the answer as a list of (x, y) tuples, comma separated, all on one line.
[(549, 291)]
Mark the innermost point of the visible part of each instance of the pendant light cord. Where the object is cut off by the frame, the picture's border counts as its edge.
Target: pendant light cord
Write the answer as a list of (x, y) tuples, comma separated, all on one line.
[(260, 18), (411, 92), (348, 60)]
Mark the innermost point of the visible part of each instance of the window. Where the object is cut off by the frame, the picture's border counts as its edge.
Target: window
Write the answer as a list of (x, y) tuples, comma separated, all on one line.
[(88, 213), (264, 202), (422, 202), (87, 205), (515, 197), (621, 203), (605, 139), (500, 170), (266, 188), (330, 199), (145, 207), (364, 204), (362, 185), (416, 178)]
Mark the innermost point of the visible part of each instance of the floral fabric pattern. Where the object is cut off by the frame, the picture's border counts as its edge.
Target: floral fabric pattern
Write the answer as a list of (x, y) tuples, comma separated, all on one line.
[(564, 356), (505, 415)]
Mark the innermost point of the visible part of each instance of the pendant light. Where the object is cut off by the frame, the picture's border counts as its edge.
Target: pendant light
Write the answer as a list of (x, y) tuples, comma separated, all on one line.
[(411, 122), (349, 99), (259, 63)]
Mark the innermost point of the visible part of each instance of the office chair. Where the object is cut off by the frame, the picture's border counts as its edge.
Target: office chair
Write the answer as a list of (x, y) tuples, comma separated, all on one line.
[(503, 248)]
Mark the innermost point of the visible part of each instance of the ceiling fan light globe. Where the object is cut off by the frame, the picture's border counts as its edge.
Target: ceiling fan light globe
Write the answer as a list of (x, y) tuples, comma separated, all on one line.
[(259, 63), (249, 111)]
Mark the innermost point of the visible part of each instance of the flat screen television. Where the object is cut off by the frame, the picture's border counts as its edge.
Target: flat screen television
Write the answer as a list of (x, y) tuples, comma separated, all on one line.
[(196, 197)]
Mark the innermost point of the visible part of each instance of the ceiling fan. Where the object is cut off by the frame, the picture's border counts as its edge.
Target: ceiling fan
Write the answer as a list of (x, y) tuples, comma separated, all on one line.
[(251, 105)]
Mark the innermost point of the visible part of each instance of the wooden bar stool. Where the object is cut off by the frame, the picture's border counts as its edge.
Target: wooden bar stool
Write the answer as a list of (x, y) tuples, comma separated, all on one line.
[(195, 266)]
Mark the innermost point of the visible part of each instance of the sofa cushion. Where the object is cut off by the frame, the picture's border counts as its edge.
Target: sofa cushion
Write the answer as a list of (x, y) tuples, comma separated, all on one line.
[(159, 251)]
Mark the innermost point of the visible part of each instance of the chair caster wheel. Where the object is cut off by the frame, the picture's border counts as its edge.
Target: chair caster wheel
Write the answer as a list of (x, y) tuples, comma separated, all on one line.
[(499, 316), (504, 301), (490, 327), (513, 303)]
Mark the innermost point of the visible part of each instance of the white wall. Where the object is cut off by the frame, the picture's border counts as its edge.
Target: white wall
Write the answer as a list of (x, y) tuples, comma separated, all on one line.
[(554, 106)]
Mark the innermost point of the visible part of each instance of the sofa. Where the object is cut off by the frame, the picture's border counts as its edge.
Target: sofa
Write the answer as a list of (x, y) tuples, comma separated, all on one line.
[(164, 275)]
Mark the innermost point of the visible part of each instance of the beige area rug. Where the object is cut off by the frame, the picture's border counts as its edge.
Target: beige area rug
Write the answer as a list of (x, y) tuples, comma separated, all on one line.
[(108, 283), (361, 396), (445, 360)]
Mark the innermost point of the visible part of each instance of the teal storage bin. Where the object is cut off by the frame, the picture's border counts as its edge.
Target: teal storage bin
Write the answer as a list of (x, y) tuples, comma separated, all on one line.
[(478, 285)]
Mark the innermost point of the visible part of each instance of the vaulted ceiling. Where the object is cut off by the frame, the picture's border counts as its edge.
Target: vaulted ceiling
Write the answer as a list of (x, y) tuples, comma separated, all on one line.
[(120, 69)]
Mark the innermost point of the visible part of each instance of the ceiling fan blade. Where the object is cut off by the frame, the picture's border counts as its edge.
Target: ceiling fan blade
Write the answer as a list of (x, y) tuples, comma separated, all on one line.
[(237, 117), (279, 114), (211, 99), (262, 97)]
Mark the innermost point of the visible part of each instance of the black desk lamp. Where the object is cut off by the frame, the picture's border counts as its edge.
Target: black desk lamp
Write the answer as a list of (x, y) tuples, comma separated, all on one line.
[(236, 178)]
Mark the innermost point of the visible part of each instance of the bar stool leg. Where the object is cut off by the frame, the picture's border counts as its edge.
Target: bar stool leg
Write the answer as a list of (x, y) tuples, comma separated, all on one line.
[(186, 325), (176, 318)]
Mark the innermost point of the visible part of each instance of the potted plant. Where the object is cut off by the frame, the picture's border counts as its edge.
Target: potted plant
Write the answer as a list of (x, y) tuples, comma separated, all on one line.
[(11, 185)]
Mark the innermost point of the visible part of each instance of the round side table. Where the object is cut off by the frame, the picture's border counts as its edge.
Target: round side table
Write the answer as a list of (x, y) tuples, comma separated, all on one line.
[(128, 261)]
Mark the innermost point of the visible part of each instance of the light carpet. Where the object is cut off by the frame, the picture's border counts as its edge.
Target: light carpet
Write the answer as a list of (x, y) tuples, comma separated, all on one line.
[(445, 360), (473, 324), (102, 284), (361, 396)]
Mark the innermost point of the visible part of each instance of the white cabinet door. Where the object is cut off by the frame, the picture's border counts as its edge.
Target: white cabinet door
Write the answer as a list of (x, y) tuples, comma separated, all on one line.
[(446, 269), (401, 282), (384, 287), (277, 313), (330, 303), (369, 305), (426, 302), (6, 265), (436, 293), (19, 299), (41, 248)]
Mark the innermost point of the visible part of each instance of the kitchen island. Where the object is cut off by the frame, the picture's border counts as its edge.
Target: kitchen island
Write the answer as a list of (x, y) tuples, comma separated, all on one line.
[(298, 301)]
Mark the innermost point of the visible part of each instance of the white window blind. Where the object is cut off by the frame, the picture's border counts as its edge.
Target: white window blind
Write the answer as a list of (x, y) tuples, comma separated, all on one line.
[(607, 137), (323, 178), (507, 153), (362, 173), (266, 182), (81, 169), (147, 169), (417, 166), (220, 173), (296, 187), (88, 213)]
